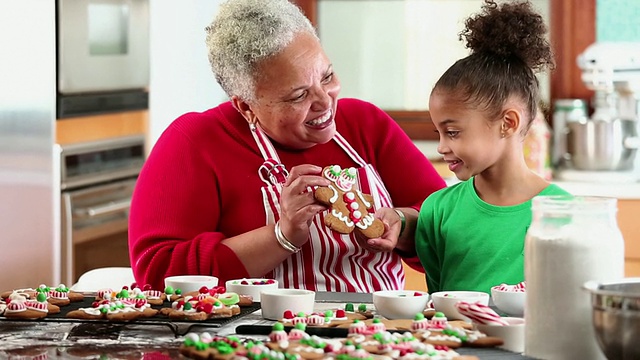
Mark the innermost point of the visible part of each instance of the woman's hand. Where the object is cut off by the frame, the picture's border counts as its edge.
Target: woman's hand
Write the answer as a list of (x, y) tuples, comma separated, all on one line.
[(297, 203)]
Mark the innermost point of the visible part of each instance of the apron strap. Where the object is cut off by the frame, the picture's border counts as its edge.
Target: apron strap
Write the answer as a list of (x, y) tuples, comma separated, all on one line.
[(272, 171)]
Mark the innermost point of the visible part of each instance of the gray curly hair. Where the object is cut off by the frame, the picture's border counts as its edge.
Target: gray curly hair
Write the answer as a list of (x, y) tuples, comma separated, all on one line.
[(245, 32)]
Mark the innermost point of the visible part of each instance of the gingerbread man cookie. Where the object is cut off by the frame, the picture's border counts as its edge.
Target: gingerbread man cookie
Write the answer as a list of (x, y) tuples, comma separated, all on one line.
[(349, 208)]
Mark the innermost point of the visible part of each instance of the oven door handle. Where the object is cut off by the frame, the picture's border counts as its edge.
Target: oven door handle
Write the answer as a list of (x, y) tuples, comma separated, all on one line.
[(109, 208)]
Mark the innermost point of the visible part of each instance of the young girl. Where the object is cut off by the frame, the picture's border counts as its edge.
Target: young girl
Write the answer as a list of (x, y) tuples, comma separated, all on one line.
[(470, 236)]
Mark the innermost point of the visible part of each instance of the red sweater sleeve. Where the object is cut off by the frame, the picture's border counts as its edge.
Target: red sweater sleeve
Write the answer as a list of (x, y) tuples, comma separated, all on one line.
[(172, 231)]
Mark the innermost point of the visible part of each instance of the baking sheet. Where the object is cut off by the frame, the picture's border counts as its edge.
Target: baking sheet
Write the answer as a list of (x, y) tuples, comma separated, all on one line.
[(179, 327)]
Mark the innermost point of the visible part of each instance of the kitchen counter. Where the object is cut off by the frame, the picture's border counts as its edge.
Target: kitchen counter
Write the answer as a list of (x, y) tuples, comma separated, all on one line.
[(580, 183), (97, 340)]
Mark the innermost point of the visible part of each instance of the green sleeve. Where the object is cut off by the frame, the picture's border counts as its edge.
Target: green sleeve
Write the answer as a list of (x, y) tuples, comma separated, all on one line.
[(426, 244)]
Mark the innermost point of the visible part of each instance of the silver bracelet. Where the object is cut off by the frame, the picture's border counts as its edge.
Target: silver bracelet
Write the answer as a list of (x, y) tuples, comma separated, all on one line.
[(283, 241)]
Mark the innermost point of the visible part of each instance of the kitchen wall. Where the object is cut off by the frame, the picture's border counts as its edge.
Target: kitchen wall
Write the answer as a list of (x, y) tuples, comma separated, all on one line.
[(180, 78), (392, 52)]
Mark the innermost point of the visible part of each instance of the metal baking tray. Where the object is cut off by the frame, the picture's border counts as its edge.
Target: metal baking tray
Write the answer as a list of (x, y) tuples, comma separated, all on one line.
[(179, 327)]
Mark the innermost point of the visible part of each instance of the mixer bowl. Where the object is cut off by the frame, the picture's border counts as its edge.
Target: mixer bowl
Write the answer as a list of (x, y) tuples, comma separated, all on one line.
[(602, 144), (616, 317)]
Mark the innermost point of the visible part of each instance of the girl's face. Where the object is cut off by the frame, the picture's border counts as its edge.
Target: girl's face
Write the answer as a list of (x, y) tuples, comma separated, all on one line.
[(296, 95), (469, 142)]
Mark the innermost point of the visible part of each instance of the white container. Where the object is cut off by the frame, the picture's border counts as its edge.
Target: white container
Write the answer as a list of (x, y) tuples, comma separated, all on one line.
[(512, 334), (275, 302), (400, 304), (571, 240)]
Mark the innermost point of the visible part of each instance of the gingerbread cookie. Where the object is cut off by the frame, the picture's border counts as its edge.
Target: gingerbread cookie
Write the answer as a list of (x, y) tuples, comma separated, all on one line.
[(349, 208)]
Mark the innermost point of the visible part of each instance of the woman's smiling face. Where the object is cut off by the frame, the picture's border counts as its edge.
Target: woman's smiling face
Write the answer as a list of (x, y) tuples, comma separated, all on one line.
[(296, 95)]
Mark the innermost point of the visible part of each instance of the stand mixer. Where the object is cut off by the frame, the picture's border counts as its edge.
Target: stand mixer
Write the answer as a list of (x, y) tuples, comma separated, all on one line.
[(605, 146)]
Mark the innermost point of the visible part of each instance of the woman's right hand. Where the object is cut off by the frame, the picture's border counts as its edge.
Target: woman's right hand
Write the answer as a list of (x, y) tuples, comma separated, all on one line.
[(298, 206)]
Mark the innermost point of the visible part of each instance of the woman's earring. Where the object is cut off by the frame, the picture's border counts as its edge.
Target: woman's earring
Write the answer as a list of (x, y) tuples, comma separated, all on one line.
[(252, 126)]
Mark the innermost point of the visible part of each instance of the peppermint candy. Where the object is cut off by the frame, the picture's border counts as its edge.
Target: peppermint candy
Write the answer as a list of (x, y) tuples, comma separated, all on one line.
[(480, 313)]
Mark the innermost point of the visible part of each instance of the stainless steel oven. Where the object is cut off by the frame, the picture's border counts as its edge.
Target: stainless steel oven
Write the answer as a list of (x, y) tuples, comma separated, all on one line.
[(103, 56), (97, 181)]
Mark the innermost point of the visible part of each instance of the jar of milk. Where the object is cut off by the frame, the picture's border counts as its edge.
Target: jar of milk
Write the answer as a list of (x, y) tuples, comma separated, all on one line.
[(571, 240)]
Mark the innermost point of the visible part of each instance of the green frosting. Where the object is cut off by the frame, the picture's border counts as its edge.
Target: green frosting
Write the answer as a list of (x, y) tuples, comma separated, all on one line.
[(178, 292), (188, 306), (301, 326), (224, 348), (41, 297), (201, 346), (439, 314), (168, 290), (278, 326), (376, 321), (362, 307), (419, 316), (348, 307), (328, 314)]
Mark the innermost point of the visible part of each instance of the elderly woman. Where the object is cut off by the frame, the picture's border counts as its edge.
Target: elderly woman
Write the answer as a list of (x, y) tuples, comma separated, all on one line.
[(226, 192)]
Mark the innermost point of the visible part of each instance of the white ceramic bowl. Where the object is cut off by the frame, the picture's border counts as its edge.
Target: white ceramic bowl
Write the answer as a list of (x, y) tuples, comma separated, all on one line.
[(275, 302), (512, 334), (509, 302), (444, 301), (251, 287), (400, 304), (189, 283)]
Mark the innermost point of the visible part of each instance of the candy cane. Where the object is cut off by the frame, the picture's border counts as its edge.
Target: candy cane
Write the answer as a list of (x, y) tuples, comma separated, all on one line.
[(479, 313)]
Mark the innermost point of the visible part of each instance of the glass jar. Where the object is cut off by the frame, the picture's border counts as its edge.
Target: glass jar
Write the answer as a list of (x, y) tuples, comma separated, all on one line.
[(570, 241)]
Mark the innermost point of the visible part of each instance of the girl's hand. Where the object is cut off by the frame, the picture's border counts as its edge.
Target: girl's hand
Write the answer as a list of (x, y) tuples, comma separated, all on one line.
[(389, 238), (297, 203)]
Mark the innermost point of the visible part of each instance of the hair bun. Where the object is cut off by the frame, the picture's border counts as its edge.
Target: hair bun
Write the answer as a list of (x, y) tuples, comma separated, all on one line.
[(509, 30)]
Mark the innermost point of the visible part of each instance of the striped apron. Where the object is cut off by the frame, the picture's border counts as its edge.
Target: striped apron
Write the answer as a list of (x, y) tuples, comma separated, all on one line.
[(329, 261)]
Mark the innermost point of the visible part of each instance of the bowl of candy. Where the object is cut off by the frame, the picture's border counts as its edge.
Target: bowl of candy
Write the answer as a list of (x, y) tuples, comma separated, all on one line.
[(190, 283), (445, 302), (510, 299), (400, 304), (251, 287)]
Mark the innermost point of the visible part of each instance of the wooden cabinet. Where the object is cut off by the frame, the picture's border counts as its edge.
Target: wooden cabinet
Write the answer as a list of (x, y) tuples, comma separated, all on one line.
[(629, 223), (99, 127)]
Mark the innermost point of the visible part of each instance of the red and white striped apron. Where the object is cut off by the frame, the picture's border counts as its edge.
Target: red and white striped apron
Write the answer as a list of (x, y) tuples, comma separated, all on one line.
[(329, 261)]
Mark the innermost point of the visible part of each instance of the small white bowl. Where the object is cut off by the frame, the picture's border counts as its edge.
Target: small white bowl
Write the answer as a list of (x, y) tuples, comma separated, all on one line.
[(509, 302), (445, 301), (512, 334), (275, 302), (189, 283), (400, 304), (251, 287)]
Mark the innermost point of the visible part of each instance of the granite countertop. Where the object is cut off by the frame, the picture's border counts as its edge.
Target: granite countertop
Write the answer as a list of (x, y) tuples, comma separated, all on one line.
[(100, 340)]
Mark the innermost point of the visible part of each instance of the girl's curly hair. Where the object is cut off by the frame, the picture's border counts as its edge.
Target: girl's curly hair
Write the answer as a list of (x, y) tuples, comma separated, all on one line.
[(508, 46)]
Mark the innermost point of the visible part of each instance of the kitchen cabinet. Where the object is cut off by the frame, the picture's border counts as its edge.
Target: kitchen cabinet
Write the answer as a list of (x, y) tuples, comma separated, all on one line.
[(629, 224), (100, 127)]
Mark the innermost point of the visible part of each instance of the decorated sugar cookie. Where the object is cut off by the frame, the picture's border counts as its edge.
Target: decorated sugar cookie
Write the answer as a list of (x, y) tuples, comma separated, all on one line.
[(349, 208)]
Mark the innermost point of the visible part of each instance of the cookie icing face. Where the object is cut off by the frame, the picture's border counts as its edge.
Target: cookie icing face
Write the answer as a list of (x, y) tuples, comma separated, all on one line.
[(349, 207)]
